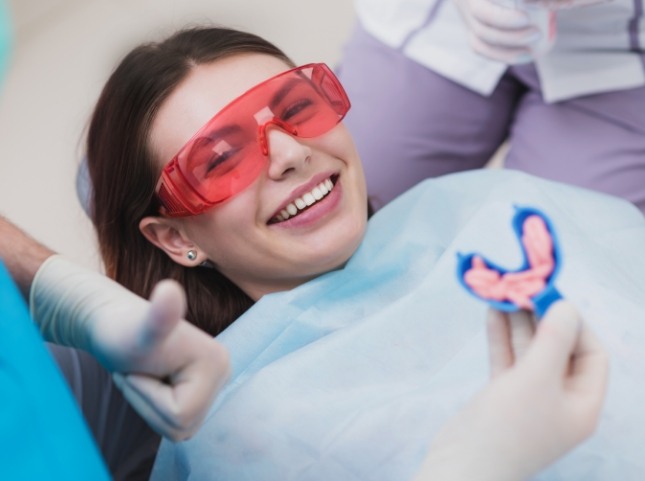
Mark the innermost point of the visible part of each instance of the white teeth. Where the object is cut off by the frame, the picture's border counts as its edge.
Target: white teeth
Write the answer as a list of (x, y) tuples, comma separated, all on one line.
[(310, 198)]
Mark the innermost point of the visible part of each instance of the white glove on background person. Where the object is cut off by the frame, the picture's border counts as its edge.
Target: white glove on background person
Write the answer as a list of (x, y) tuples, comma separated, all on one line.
[(541, 401), (169, 370), (565, 4), (501, 33), (514, 31)]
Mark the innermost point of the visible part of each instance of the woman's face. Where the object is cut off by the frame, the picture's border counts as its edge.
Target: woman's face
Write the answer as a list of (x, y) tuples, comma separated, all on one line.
[(244, 236)]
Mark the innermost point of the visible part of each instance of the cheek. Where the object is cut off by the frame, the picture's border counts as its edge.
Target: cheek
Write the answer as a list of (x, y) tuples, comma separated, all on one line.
[(224, 225), (339, 143)]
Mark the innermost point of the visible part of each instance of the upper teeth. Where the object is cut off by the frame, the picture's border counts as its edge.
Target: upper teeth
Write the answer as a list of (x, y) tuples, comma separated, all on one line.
[(310, 198)]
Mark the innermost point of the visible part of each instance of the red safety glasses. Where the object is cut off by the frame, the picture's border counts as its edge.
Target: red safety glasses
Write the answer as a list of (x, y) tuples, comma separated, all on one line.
[(229, 152)]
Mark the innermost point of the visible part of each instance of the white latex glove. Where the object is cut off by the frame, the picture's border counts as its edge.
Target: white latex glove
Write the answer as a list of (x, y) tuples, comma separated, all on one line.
[(565, 4), (499, 32), (168, 369), (538, 405)]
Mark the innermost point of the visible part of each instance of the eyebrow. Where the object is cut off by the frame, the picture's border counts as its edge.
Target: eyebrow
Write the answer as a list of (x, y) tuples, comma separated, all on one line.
[(212, 137), (222, 131), (284, 90)]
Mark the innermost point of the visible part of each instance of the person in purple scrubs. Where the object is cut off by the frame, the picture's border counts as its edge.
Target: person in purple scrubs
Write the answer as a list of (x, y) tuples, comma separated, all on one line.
[(438, 86)]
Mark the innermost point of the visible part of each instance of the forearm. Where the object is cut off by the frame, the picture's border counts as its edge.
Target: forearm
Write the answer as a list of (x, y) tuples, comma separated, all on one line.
[(22, 255)]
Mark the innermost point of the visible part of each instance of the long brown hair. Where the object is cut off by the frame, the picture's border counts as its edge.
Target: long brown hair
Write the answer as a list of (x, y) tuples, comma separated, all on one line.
[(124, 174)]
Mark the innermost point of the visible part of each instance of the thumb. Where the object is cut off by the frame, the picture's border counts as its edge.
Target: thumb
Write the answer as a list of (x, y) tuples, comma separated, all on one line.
[(167, 308), (555, 340)]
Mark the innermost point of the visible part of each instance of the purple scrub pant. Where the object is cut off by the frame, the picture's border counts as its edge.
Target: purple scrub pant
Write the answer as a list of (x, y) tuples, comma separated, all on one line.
[(410, 123)]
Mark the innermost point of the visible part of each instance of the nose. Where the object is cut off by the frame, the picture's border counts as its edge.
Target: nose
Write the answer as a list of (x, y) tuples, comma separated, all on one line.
[(286, 153)]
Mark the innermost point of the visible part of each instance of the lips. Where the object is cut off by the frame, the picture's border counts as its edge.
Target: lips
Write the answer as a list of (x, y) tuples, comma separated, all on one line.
[(306, 200)]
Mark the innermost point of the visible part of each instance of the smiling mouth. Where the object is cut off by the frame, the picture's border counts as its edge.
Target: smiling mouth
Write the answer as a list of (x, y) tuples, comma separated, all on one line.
[(300, 204)]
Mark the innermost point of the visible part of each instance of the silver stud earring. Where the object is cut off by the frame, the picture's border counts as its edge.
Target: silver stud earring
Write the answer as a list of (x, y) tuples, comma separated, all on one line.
[(191, 254)]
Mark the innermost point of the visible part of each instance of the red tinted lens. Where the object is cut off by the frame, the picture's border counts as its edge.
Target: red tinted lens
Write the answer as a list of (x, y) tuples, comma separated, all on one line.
[(229, 152)]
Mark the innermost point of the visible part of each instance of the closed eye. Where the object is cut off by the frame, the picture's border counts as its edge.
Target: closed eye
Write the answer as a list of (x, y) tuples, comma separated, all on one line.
[(218, 159), (210, 157), (296, 111)]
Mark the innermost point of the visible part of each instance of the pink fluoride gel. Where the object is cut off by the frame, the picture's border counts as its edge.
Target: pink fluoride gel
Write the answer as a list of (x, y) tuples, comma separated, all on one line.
[(517, 287)]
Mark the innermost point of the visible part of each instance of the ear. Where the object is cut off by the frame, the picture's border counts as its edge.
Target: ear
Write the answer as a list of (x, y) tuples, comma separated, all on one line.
[(172, 240)]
